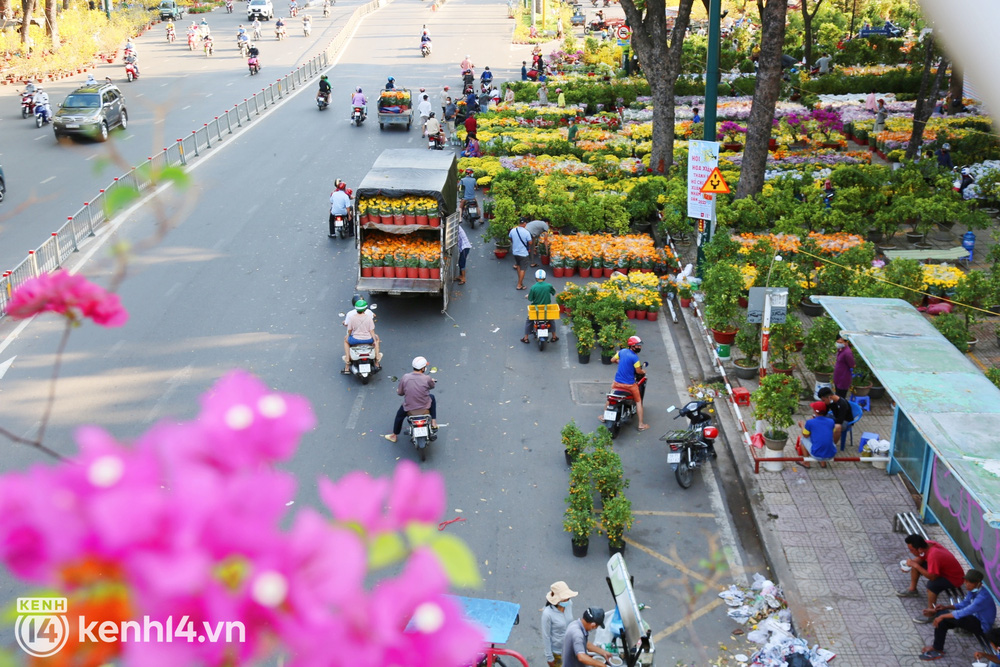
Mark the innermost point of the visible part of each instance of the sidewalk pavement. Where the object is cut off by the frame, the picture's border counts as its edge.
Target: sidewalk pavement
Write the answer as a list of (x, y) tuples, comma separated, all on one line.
[(828, 539)]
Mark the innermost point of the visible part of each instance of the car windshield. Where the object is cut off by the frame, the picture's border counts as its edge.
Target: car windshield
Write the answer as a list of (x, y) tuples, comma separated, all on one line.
[(257, 3), (79, 101)]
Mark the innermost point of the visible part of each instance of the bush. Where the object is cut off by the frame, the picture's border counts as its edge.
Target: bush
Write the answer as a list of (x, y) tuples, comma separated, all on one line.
[(775, 402), (819, 344), (953, 328)]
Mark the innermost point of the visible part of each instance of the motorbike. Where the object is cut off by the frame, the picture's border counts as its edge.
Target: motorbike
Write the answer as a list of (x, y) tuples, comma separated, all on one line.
[(192, 37), (42, 115), (341, 225), (425, 49), (418, 427), (244, 46), (229, 6), (209, 47), (621, 407), (358, 115), (690, 448), (322, 100), (256, 33), (279, 32), (254, 65), (306, 29), (171, 35), (293, 11), (435, 142), (27, 104), (470, 213), (542, 318), (131, 72), (326, 10), (363, 362)]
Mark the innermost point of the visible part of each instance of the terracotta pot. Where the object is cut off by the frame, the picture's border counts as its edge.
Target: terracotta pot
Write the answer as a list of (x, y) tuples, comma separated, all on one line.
[(584, 273), (772, 145), (366, 272), (733, 147), (861, 391), (652, 315), (363, 220), (724, 337), (412, 272), (390, 272), (435, 222), (558, 272), (568, 273), (409, 219), (630, 314), (608, 272), (423, 273), (743, 302), (378, 272), (783, 371), (641, 314), (435, 273), (500, 252), (398, 219), (799, 344), (422, 220), (685, 303), (387, 220)]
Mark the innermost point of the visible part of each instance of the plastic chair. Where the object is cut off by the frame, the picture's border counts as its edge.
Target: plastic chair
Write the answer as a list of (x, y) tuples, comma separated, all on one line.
[(847, 428), (864, 401)]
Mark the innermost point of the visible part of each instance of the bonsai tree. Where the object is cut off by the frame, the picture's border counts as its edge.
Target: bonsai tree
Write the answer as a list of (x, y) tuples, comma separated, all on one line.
[(819, 346), (748, 343), (505, 218), (953, 328), (586, 338), (784, 338), (616, 518), (607, 472), (578, 520), (723, 287), (573, 440), (580, 524), (971, 294), (642, 200), (774, 402)]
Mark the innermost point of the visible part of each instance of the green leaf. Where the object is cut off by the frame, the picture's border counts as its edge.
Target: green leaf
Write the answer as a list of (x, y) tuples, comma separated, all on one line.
[(387, 549), (120, 197), (177, 176), (419, 534), (458, 561)]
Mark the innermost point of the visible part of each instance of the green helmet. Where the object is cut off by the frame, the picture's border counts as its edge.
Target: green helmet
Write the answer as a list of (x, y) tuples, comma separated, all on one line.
[(361, 305)]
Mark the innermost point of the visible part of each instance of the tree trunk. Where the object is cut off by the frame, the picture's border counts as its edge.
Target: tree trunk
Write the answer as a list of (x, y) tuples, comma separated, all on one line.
[(5, 9), (51, 22), (807, 22), (661, 65), (924, 106), (765, 96), (955, 87), (27, 7)]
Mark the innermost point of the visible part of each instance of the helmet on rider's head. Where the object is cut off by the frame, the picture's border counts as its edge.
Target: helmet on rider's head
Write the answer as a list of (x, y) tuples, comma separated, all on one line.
[(965, 170), (358, 89), (341, 185), (419, 363), (391, 78), (360, 305), (946, 147), (540, 274), (634, 340), (469, 172), (355, 298), (486, 69)]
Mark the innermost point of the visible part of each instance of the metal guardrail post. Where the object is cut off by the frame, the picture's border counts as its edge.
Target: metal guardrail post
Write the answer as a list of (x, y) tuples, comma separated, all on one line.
[(33, 263), (55, 238), (218, 130), (180, 147), (208, 138), (90, 218), (256, 106), (229, 122), (194, 134), (166, 158), (278, 82), (72, 234)]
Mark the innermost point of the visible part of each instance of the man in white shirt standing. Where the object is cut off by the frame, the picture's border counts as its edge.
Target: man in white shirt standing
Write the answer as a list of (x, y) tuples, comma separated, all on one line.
[(424, 109)]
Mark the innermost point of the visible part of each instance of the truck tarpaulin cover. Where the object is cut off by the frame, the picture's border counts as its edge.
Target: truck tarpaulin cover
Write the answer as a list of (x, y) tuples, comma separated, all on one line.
[(400, 172)]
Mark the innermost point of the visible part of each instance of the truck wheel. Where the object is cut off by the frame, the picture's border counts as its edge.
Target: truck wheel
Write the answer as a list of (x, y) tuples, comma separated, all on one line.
[(381, 126), (408, 123)]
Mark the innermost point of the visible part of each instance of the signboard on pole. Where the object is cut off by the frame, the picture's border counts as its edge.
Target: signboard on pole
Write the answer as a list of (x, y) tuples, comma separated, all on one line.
[(624, 35), (703, 159), (715, 184), (755, 304)]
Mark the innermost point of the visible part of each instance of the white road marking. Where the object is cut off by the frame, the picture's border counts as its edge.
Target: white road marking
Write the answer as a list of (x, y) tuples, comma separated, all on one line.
[(48, 180), (230, 83), (5, 366), (280, 180), (40, 138), (141, 94), (289, 352), (253, 209), (218, 244), (186, 108), (113, 350), (208, 94), (164, 85), (727, 536), (177, 379), (91, 157), (170, 292), (352, 419), (565, 350)]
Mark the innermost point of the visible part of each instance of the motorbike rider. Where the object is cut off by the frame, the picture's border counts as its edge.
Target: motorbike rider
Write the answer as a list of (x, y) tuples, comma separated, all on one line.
[(540, 294), (324, 88), (170, 28), (360, 331), (41, 101), (425, 40), (129, 47), (358, 99), (203, 27), (468, 79), (242, 38), (326, 7), (293, 8), (229, 6), (253, 52), (966, 180), (467, 65), (209, 44), (340, 204), (192, 32), (415, 388), (629, 372), (472, 102), (306, 24), (468, 184), (256, 28), (133, 60), (486, 80), (433, 129), (390, 83), (279, 26)]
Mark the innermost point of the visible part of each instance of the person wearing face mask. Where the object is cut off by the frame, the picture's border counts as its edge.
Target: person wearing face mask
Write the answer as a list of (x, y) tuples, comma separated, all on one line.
[(843, 366), (556, 617)]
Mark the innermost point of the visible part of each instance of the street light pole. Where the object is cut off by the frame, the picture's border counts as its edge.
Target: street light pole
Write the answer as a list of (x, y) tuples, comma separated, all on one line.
[(712, 68), (107, 9)]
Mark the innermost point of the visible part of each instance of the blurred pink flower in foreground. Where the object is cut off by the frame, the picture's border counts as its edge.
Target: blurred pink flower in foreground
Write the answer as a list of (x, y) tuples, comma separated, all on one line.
[(191, 521), (69, 295)]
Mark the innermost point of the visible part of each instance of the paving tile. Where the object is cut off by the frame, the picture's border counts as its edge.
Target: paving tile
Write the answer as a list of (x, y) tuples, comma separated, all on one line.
[(812, 510), (770, 484), (785, 523), (824, 541), (869, 640), (796, 538), (849, 523), (806, 574), (847, 588), (870, 570), (779, 499), (839, 570), (877, 588), (800, 554)]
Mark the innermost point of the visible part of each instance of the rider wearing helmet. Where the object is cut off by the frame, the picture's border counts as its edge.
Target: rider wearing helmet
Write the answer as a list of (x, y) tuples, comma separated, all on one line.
[(966, 181), (486, 79), (340, 205), (253, 51), (433, 129), (390, 84), (360, 331), (468, 184), (629, 372), (540, 294), (358, 99), (325, 88), (415, 388)]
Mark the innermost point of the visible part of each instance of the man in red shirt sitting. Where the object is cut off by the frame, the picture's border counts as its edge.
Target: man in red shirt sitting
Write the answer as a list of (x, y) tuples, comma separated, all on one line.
[(470, 127), (938, 565)]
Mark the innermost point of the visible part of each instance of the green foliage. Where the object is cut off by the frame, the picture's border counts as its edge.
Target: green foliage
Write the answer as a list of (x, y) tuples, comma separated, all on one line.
[(783, 341), (573, 439), (993, 375), (840, 275), (953, 328), (579, 523), (971, 293), (722, 248), (505, 218), (586, 337), (723, 287), (818, 350), (775, 402), (836, 83), (607, 474), (748, 341), (641, 201), (784, 274), (616, 518)]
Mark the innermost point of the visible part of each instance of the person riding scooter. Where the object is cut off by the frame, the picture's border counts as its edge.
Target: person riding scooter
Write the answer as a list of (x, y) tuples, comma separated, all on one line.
[(415, 388), (360, 331), (340, 205), (390, 83), (41, 102), (358, 99), (425, 41), (486, 80), (325, 89), (629, 371), (433, 129), (468, 184)]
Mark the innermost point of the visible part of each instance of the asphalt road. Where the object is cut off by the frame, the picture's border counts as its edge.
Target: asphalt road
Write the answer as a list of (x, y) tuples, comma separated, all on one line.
[(249, 279), (178, 91)]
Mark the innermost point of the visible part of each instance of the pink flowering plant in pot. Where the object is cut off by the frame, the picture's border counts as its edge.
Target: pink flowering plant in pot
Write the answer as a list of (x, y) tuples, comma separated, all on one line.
[(731, 133), (827, 122)]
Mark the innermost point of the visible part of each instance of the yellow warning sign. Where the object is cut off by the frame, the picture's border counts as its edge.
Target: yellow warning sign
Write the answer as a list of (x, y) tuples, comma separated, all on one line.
[(715, 184)]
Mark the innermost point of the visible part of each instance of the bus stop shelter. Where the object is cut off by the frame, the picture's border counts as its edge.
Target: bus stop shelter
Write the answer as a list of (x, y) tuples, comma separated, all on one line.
[(946, 426)]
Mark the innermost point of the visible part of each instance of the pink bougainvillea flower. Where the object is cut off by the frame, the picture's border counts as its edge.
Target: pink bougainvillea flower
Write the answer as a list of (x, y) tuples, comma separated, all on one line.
[(248, 424), (415, 495), (378, 505), (69, 295)]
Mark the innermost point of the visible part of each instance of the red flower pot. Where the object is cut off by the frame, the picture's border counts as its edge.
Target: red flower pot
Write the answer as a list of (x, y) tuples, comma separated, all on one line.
[(398, 219), (435, 274), (423, 273), (641, 314), (685, 303), (545, 260), (558, 272), (366, 272), (584, 273), (390, 272), (500, 253), (412, 272), (651, 316), (409, 219), (743, 302), (724, 337), (387, 220), (436, 222), (568, 273), (630, 314), (378, 272), (363, 219), (608, 272), (422, 220)]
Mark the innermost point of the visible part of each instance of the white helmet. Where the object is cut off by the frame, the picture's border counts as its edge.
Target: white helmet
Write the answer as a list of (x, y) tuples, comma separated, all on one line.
[(540, 274), (419, 363)]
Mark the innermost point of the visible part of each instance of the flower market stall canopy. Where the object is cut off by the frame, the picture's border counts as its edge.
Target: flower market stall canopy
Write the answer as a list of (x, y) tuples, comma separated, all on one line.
[(401, 172), (947, 418)]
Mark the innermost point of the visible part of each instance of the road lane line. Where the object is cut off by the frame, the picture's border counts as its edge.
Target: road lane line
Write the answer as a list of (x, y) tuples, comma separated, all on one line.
[(727, 535), (352, 419), (280, 180), (5, 366), (186, 108), (289, 352), (91, 157), (680, 567), (170, 292), (48, 180), (113, 350), (666, 632), (253, 209), (565, 351), (40, 138), (177, 379)]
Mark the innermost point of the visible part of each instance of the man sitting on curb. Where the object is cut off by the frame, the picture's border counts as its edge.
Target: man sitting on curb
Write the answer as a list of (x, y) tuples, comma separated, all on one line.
[(817, 435), (975, 613), (938, 565)]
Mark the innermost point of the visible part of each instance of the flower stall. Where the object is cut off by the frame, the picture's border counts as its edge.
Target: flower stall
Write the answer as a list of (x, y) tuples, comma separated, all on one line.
[(602, 254)]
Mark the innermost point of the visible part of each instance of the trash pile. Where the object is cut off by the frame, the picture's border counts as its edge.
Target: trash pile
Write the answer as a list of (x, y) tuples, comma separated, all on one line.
[(763, 605)]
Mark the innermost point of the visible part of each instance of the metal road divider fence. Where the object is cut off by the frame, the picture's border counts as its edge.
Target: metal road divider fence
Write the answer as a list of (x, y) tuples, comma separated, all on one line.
[(56, 249)]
